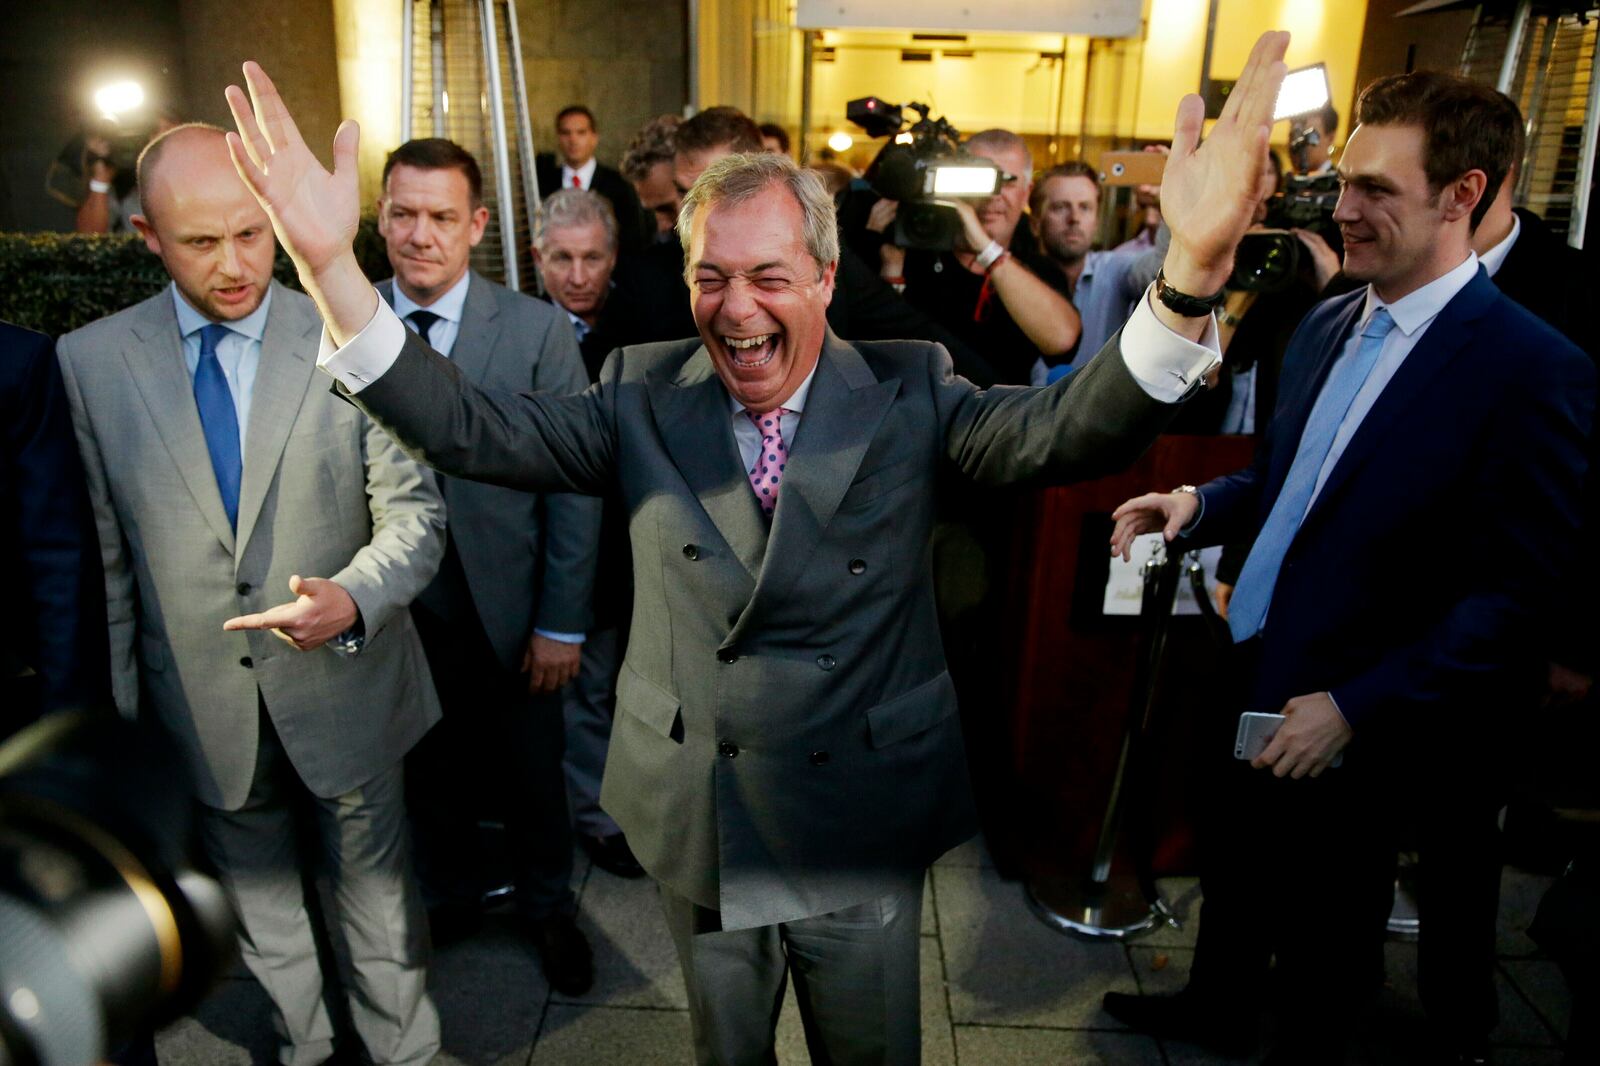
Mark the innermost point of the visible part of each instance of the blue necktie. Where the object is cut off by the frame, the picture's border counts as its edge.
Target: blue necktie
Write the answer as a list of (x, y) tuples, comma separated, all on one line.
[(1247, 612), (219, 419)]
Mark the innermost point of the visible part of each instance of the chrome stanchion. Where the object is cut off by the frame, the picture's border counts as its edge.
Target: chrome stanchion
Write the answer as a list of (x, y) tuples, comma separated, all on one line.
[(1103, 903)]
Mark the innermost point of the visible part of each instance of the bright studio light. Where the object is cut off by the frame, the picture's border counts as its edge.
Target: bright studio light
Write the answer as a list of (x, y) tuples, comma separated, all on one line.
[(841, 141), (1304, 91), (964, 181), (904, 137), (118, 98)]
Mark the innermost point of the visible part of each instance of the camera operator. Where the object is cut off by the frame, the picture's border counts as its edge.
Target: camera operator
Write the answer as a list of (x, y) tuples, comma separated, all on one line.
[(111, 189), (1315, 155), (989, 290)]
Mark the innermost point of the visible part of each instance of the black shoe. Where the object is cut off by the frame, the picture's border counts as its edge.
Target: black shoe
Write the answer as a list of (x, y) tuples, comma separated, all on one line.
[(612, 854), (563, 952), (1182, 1017), (451, 923)]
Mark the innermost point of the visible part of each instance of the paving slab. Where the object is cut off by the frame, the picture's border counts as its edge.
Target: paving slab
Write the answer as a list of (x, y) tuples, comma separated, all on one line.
[(587, 1035), (634, 961), (1003, 1046)]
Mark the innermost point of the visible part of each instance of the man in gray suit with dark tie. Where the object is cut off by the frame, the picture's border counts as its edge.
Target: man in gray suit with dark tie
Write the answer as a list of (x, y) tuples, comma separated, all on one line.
[(786, 759), (223, 477), (504, 621)]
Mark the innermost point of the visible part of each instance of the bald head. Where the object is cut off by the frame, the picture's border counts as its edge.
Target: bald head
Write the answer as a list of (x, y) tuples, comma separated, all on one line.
[(200, 218)]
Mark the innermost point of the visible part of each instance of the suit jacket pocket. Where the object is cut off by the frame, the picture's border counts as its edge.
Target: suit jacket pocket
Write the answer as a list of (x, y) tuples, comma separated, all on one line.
[(912, 712), (648, 702), (868, 488)]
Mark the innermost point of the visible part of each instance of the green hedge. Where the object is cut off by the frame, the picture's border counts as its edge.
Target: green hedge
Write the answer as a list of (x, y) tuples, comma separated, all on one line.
[(56, 282)]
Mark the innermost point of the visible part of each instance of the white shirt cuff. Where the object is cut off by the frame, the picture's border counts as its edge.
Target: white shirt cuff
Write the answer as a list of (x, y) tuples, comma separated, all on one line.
[(370, 353), (1164, 364)]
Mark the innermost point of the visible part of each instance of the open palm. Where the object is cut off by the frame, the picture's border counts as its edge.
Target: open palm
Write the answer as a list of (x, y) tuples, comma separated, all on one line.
[(1209, 191), (313, 212)]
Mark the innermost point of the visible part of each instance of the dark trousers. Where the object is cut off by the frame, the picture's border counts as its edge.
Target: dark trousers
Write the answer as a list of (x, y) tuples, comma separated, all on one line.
[(496, 753)]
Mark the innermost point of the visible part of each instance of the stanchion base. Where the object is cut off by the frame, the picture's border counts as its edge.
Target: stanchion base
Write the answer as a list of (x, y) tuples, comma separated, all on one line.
[(1093, 910), (1404, 923)]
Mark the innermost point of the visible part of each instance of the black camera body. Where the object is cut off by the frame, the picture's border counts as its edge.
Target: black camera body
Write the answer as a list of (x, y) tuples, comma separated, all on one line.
[(1269, 261), (905, 172)]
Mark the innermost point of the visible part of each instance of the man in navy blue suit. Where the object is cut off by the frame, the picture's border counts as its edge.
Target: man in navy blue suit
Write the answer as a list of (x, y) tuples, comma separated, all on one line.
[(1414, 506), (53, 650)]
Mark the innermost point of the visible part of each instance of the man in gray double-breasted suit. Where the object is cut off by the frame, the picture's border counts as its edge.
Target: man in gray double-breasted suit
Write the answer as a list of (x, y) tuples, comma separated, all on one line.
[(786, 760), (223, 476)]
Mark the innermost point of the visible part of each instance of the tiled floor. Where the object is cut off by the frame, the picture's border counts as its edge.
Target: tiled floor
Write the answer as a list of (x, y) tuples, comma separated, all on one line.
[(998, 989)]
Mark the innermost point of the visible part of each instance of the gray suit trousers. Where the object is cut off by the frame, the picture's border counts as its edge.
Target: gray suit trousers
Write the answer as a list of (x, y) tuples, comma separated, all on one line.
[(366, 847), (856, 978), (589, 704)]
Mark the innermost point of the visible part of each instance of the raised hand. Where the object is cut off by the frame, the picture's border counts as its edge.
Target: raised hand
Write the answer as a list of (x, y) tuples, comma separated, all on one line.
[(1209, 191), (314, 213)]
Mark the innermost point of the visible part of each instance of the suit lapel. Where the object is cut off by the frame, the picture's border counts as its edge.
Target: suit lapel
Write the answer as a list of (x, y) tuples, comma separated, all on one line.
[(283, 374), (480, 328), (843, 411), (155, 360), (1445, 338), (695, 418), (1288, 435)]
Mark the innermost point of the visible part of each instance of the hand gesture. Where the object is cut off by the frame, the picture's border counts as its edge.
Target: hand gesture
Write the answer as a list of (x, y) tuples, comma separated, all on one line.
[(882, 215), (1169, 512), (321, 610), (549, 663), (1313, 732), (1209, 191), (314, 213)]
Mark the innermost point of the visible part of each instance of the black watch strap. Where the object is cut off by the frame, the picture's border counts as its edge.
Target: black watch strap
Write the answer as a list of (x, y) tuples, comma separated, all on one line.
[(1181, 303)]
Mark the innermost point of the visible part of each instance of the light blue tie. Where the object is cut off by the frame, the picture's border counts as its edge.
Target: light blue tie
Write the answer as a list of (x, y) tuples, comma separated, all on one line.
[(1247, 611), (219, 419)]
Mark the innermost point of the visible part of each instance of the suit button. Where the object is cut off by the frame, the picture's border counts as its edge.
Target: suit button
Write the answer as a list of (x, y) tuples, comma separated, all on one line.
[(727, 655), (858, 566), (690, 552), (246, 662), (728, 749), (819, 758), (243, 588), (826, 661)]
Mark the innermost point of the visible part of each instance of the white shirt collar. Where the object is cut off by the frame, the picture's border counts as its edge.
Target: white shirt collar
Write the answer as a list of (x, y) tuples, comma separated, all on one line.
[(253, 325), (448, 307), (796, 401), (1495, 257), (1416, 309), (585, 172)]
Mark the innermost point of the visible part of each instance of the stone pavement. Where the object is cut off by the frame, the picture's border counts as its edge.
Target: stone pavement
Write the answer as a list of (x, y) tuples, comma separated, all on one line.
[(998, 989)]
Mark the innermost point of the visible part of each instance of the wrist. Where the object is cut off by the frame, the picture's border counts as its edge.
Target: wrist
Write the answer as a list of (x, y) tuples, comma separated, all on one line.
[(1193, 276), (990, 255)]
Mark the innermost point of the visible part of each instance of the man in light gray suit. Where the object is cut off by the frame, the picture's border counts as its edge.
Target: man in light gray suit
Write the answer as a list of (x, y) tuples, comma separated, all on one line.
[(223, 475), (786, 759), (505, 619)]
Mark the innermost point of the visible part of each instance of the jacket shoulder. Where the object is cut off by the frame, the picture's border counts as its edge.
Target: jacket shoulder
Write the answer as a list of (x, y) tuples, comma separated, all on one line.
[(529, 309), (657, 358), (113, 328)]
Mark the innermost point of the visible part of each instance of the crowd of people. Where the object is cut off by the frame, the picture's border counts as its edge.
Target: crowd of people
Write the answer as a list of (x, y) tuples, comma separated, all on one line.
[(546, 559)]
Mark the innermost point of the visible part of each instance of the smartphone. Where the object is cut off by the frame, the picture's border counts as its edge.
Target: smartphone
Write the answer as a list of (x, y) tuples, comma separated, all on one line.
[(1256, 731), (1132, 168), (1304, 91)]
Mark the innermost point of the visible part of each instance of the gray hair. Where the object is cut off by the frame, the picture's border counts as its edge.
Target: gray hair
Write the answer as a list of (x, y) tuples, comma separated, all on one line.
[(574, 207), (738, 178), (1003, 140)]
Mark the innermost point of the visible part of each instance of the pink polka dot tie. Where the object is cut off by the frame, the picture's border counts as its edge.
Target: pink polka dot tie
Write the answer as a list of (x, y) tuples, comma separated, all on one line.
[(767, 475)]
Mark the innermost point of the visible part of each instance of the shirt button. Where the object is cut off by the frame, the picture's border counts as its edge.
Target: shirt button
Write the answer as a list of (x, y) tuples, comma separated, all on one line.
[(691, 552), (826, 661), (858, 566), (246, 662), (243, 588), (819, 758), (727, 655), (728, 749)]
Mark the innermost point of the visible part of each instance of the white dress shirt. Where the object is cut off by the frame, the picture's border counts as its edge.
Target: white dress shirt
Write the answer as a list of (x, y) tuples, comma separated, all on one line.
[(1413, 314), (584, 174), (1495, 257), (442, 336), (748, 436), (1163, 363), (239, 352)]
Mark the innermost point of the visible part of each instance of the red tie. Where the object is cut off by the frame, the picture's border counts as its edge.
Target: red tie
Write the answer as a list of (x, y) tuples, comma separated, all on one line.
[(577, 182)]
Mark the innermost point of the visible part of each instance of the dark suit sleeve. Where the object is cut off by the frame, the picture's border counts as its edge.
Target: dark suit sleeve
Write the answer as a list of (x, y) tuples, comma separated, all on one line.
[(1521, 516), (535, 442), (1086, 425), (571, 522), (54, 533), (873, 311)]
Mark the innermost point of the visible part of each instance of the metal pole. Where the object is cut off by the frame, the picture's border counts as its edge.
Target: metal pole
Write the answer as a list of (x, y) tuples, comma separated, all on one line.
[(530, 180), (1205, 59), (693, 95), (441, 74), (1532, 116), (505, 200), (1591, 129), (408, 75), (808, 42), (1508, 62)]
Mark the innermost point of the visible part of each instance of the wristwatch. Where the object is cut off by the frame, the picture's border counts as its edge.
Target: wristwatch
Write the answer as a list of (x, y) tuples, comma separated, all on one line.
[(1182, 303)]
